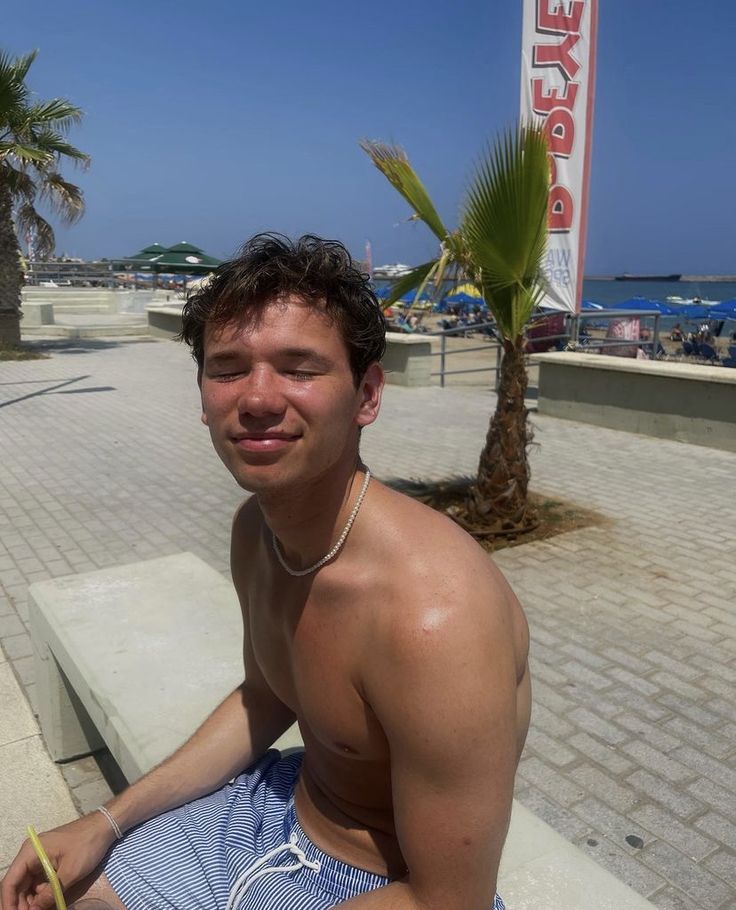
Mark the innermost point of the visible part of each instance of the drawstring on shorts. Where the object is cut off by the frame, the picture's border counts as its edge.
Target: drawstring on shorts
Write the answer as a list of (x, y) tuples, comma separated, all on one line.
[(254, 871)]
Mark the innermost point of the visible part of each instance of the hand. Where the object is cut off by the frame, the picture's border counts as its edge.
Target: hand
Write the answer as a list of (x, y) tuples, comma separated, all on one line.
[(75, 851)]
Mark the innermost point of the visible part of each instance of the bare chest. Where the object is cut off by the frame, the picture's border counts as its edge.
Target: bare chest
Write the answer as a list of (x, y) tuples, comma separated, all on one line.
[(310, 648)]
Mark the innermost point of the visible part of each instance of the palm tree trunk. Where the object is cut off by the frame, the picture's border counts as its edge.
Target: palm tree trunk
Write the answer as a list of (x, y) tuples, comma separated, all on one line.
[(498, 501), (11, 276)]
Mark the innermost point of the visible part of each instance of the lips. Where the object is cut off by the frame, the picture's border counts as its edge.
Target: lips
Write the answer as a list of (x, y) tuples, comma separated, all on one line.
[(264, 442)]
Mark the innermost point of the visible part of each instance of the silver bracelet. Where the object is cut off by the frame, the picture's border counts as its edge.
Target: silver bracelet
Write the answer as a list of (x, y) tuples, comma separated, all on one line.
[(113, 824)]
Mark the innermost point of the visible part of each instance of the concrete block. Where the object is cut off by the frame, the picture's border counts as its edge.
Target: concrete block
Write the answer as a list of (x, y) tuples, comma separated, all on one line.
[(37, 313), (140, 653), (687, 402), (164, 321), (408, 360), (67, 727)]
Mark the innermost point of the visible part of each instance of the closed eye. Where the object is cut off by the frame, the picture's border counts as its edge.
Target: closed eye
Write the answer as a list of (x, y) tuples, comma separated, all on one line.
[(302, 375), (226, 377)]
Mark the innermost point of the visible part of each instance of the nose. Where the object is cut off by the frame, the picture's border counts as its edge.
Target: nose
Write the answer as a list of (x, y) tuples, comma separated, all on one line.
[(260, 395)]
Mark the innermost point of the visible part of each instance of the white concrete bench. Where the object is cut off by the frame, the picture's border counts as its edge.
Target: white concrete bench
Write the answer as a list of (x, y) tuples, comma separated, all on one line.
[(135, 657)]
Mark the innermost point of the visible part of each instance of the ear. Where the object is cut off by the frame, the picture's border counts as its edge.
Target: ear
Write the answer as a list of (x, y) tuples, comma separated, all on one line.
[(203, 415), (371, 388)]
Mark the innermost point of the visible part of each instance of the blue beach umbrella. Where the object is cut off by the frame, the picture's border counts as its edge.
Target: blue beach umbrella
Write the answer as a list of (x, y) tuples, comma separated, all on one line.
[(382, 293), (465, 299), (693, 311), (641, 303), (724, 310), (411, 296)]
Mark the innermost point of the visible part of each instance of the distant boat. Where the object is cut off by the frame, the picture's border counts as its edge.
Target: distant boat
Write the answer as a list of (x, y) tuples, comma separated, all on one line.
[(627, 277), (397, 270)]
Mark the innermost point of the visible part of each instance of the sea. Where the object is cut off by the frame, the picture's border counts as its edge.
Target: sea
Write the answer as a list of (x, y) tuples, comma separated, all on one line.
[(610, 292)]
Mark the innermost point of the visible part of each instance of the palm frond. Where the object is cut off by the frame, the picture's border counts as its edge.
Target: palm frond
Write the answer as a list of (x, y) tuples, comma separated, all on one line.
[(65, 199), (28, 220), (21, 65), (410, 281), (20, 184), (392, 162), (505, 225), (26, 154), (54, 143), (57, 113)]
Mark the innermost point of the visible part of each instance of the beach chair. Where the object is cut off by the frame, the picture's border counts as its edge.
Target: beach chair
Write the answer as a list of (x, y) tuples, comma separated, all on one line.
[(687, 348), (708, 352), (730, 361)]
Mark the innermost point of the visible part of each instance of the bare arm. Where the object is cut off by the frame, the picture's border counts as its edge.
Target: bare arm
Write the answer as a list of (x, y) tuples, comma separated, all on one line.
[(238, 732), (444, 692)]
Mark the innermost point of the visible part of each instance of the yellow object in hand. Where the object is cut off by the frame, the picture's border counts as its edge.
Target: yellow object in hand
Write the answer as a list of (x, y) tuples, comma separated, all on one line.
[(49, 871)]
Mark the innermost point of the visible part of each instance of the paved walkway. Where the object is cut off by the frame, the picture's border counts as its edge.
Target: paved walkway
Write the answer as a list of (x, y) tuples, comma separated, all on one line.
[(632, 750)]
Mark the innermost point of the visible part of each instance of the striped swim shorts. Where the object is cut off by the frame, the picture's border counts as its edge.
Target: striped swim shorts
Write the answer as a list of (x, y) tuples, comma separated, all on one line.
[(240, 848)]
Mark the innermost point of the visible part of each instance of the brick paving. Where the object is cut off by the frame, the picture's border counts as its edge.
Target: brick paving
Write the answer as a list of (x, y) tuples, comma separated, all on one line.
[(633, 622)]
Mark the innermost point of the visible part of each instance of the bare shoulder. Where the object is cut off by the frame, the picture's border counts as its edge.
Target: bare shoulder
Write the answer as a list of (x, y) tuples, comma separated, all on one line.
[(436, 577)]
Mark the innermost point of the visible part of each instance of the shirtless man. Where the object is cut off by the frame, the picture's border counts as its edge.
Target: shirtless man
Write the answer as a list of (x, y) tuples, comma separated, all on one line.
[(404, 665)]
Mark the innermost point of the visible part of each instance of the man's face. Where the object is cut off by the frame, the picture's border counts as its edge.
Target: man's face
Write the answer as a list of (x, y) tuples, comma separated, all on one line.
[(279, 398)]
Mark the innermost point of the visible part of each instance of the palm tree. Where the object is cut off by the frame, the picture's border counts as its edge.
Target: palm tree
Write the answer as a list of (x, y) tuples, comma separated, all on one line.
[(498, 246), (32, 148)]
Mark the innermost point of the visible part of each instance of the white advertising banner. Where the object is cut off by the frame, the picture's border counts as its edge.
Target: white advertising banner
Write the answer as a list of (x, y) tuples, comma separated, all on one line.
[(557, 90)]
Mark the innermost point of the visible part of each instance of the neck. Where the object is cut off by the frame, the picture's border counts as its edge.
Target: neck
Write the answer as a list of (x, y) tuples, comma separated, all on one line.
[(309, 520)]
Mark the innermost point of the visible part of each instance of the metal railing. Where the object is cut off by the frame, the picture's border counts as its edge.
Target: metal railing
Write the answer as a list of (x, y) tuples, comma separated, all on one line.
[(571, 338)]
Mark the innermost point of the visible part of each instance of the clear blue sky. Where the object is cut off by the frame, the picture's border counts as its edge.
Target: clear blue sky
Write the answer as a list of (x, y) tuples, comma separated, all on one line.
[(210, 121)]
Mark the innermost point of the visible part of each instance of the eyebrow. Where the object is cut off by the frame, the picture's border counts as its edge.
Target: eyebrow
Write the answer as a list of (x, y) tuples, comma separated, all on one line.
[(301, 354), (306, 354)]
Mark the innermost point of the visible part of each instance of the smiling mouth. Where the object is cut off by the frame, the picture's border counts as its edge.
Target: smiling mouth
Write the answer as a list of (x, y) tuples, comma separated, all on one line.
[(264, 442)]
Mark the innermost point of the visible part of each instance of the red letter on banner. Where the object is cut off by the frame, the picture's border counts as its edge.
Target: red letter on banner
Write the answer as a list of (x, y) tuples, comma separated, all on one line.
[(560, 129), (557, 22), (545, 101), (558, 55), (560, 209)]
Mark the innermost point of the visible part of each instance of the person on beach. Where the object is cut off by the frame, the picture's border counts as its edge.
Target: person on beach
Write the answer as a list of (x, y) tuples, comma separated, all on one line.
[(372, 620)]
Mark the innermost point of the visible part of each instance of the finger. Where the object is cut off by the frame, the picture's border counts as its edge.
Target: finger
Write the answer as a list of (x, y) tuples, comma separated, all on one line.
[(43, 899), (17, 881)]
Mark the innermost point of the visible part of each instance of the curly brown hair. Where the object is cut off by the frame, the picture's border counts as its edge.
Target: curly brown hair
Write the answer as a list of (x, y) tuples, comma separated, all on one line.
[(271, 266)]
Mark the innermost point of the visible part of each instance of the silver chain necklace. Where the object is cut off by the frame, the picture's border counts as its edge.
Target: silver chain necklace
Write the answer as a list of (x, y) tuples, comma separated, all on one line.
[(340, 540)]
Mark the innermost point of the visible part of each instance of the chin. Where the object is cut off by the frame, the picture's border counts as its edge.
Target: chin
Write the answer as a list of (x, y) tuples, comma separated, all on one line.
[(260, 478)]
